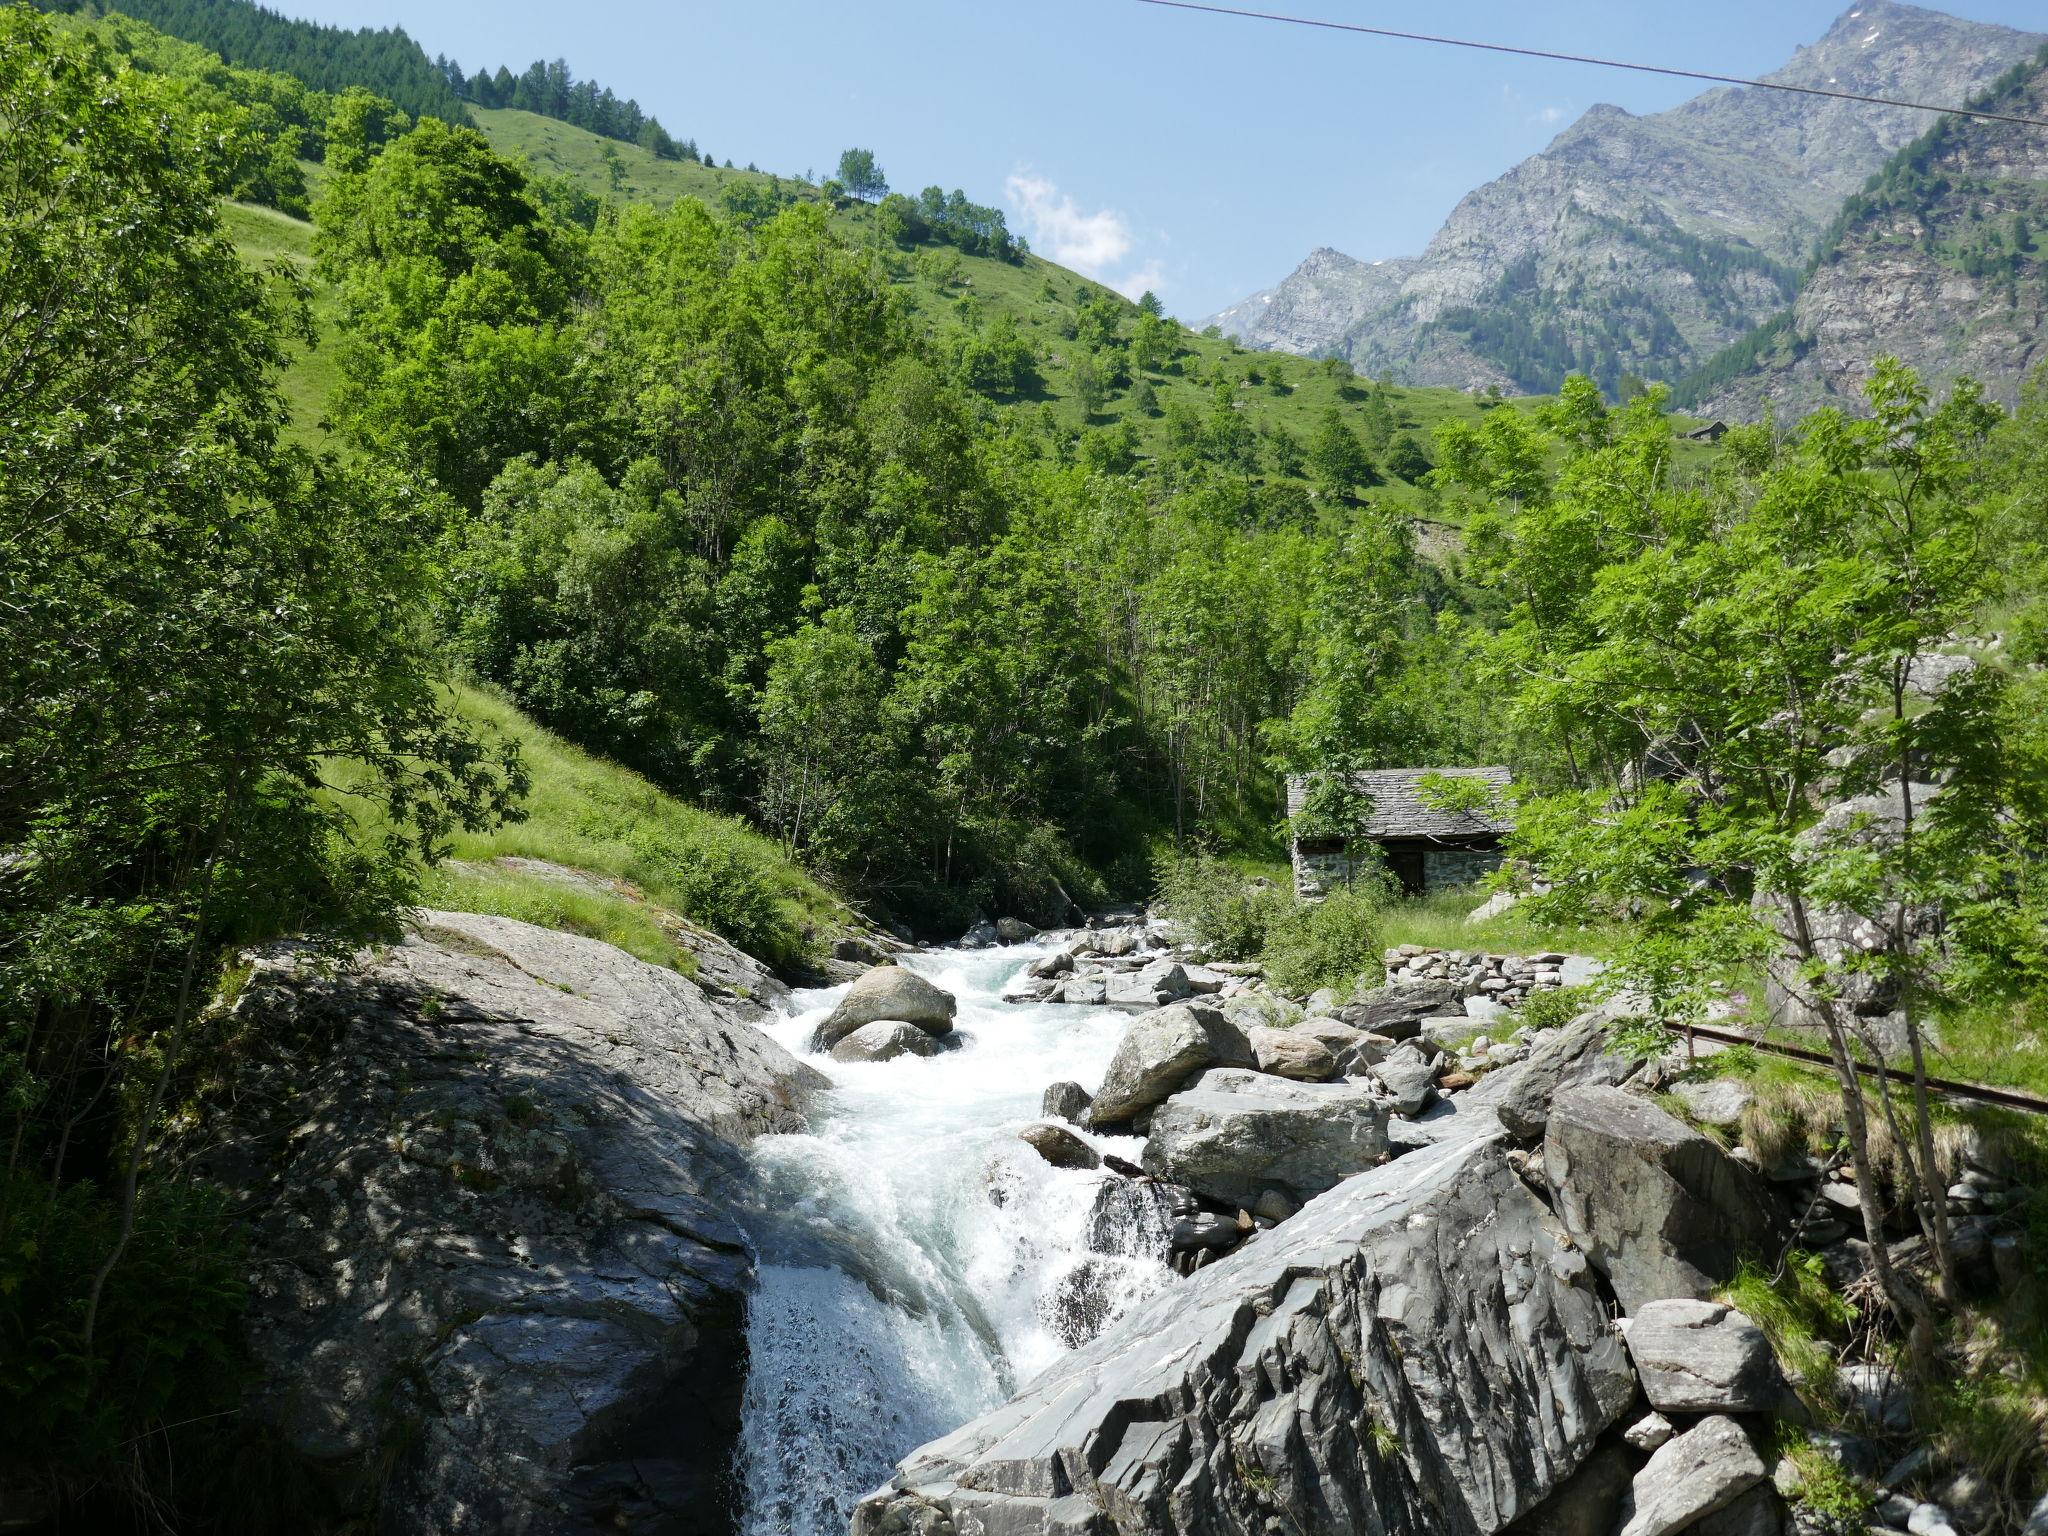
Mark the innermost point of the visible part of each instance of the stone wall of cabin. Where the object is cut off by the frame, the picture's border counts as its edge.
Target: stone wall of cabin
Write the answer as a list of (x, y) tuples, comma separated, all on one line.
[(1317, 872)]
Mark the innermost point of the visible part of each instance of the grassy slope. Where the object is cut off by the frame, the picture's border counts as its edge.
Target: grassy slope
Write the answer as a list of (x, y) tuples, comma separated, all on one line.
[(666, 867), (1040, 295), (267, 238)]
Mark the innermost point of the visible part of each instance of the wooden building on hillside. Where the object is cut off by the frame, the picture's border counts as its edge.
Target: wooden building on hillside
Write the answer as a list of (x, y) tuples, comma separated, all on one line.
[(1427, 849)]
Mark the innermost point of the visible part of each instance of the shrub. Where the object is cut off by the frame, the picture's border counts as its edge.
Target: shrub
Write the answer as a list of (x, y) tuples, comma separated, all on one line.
[(1328, 943), (1555, 1007), (1220, 910)]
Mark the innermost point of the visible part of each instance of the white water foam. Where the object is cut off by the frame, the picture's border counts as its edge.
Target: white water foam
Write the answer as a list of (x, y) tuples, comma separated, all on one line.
[(919, 1261)]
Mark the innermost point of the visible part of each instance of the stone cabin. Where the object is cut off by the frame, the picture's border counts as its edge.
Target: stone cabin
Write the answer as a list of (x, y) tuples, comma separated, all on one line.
[(1427, 849)]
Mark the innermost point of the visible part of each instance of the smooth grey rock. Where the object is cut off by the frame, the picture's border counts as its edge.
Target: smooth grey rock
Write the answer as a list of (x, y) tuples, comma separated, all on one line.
[(1088, 991), (1715, 1101), (1163, 981), (1066, 1101), (884, 1040), (1060, 1146), (1659, 1209), (1161, 1051), (1589, 1503), (1703, 1357), (1014, 930), (887, 992), (1398, 1011), (1204, 982), (1759, 1512), (1291, 1053), (495, 1165), (981, 936), (1399, 1357), (1450, 1034), (1577, 1054), (1648, 1432), (1335, 1037), (1233, 1134), (1877, 1394), (1409, 1078), (1205, 1229), (1046, 967), (1705, 1469)]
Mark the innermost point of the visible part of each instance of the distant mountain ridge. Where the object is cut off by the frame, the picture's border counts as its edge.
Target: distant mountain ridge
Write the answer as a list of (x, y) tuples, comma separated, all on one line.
[(1942, 260), (1640, 245)]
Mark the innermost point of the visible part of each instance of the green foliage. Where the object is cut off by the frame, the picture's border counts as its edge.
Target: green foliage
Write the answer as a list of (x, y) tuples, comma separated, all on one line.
[(550, 90), (1804, 1318), (1830, 1497), (1222, 911), (1328, 943), (384, 60), (167, 1352), (859, 174), (198, 623), (1555, 1007)]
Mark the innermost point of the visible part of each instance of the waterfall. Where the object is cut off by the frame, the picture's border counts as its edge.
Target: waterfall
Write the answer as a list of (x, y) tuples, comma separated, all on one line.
[(918, 1260)]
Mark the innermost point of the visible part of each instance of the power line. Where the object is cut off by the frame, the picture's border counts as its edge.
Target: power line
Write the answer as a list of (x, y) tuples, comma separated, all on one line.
[(1578, 58)]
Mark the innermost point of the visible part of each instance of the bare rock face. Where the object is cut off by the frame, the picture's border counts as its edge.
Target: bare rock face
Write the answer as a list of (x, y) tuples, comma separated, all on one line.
[(1159, 1052), (885, 1040), (1703, 1471), (1703, 1357), (494, 1287), (887, 992), (1602, 233), (1659, 1209), (1232, 1135), (1293, 1053), (1578, 1055), (1408, 1353)]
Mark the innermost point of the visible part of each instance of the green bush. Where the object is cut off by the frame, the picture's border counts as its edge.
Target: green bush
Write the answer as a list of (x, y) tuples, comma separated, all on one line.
[(163, 1346), (1219, 909), (1555, 1007), (1329, 943)]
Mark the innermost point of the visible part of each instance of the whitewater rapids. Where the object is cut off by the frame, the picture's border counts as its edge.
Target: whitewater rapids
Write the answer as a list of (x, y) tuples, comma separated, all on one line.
[(918, 1261)]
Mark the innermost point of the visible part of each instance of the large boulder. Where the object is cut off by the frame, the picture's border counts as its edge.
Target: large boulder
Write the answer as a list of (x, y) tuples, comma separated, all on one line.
[(1162, 981), (1407, 1075), (1659, 1209), (1690, 1477), (887, 992), (1409, 1353), (1703, 1357), (1291, 1053), (1581, 1053), (1234, 1134), (1158, 1053), (1060, 1146), (493, 1281), (1398, 1011), (885, 1040)]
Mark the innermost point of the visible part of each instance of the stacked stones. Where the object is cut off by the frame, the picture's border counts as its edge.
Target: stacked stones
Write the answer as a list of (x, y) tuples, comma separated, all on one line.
[(1508, 979)]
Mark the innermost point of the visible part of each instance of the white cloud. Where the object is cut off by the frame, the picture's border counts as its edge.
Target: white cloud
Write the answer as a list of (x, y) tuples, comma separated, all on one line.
[(1093, 244), (1552, 115)]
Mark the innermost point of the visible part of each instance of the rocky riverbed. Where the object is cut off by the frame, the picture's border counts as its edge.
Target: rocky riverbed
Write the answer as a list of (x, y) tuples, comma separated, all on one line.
[(548, 1238)]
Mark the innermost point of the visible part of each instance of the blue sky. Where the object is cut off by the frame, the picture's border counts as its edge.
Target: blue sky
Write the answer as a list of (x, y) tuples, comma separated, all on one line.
[(1201, 155)]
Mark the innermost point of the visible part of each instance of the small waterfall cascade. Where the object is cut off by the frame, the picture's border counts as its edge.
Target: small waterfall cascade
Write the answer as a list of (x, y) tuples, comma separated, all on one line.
[(918, 1260)]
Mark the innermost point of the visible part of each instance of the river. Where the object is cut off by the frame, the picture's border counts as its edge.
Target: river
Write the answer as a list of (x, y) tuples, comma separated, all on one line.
[(918, 1261)]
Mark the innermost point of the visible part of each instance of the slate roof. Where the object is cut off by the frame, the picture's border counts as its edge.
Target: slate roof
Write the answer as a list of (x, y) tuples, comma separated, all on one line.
[(1397, 805)]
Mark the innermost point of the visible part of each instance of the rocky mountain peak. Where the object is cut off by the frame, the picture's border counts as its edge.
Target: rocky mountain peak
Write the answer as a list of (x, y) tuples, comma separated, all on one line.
[(1643, 244)]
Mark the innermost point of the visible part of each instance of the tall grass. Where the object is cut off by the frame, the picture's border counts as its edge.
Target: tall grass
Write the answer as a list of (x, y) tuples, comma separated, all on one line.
[(587, 814)]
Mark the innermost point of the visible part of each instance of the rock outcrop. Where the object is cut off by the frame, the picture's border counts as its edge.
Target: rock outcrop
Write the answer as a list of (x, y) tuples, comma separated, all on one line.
[(1703, 1357), (1232, 1135), (1159, 1052), (887, 992), (1659, 1209), (1411, 1352), (1651, 241), (493, 1284)]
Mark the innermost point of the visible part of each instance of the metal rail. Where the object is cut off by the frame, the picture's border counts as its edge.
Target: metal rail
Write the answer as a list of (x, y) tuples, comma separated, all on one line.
[(2004, 1098)]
